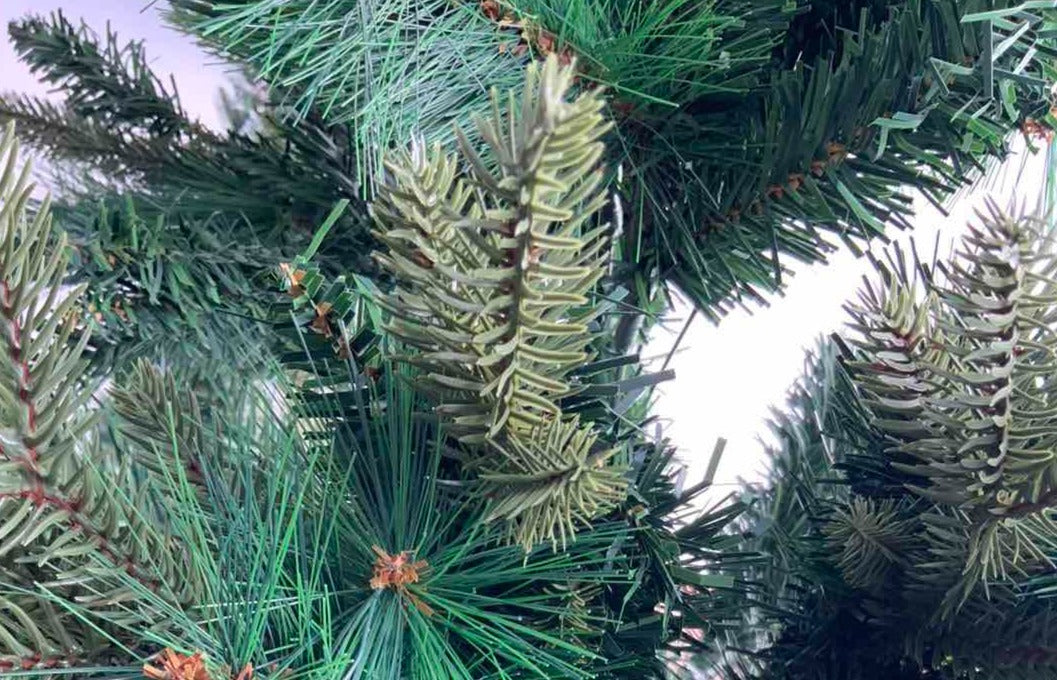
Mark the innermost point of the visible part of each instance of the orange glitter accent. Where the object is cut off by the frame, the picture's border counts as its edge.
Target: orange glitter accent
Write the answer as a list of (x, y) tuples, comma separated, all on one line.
[(176, 666), (293, 279)]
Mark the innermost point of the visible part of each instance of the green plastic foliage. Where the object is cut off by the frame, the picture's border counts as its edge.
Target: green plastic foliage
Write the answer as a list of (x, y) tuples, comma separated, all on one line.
[(494, 284), (865, 579), (551, 479), (750, 134), (119, 130), (39, 388), (61, 525), (494, 277), (38, 396), (958, 379), (909, 524), (869, 539), (157, 414), (964, 388)]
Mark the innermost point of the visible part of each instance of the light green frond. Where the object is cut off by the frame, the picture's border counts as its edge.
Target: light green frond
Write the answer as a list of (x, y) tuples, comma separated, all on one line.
[(868, 538), (63, 526), (552, 481), (157, 416), (894, 324), (495, 273), (959, 379)]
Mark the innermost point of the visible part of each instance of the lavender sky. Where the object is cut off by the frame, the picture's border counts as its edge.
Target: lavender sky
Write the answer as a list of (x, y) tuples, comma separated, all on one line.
[(727, 377), (198, 75)]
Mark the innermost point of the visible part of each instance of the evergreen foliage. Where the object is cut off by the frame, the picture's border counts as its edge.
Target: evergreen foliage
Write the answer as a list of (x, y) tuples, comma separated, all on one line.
[(908, 514), (175, 225), (165, 284), (65, 536), (311, 517), (375, 410), (493, 278), (743, 132), (746, 133)]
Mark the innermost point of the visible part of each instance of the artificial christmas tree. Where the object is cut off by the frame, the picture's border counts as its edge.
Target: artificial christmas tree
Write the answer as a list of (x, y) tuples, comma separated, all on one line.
[(437, 462)]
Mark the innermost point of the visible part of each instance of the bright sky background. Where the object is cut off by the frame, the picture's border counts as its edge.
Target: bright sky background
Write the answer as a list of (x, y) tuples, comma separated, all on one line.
[(727, 377)]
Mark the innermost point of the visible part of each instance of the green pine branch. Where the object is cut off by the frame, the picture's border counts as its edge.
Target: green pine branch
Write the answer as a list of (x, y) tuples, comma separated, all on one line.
[(166, 285), (110, 83), (118, 117), (63, 528), (909, 499), (493, 282), (746, 134)]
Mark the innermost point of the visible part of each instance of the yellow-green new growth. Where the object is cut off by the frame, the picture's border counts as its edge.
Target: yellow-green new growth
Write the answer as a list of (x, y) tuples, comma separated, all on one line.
[(495, 272)]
